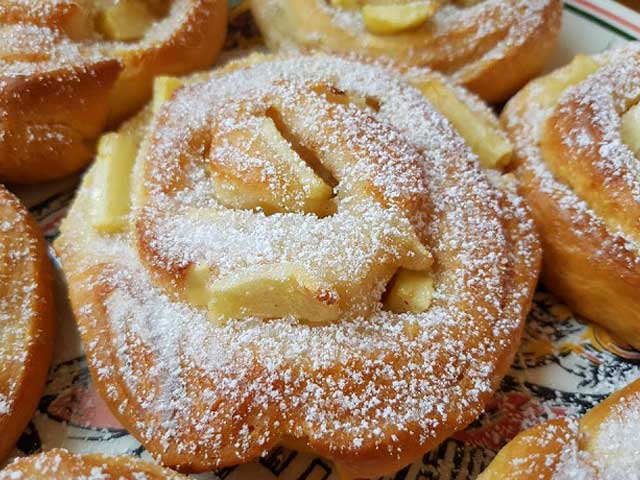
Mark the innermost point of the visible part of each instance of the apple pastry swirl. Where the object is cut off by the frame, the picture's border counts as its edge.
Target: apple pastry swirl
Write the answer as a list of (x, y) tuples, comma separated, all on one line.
[(60, 464), (492, 47), (296, 251), (69, 67), (577, 137), (602, 445), (27, 319)]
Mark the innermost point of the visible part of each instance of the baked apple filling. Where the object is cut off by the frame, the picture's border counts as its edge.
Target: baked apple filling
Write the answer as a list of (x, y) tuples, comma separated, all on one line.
[(630, 129), (301, 183), (480, 129), (593, 132), (272, 166), (391, 17), (128, 20)]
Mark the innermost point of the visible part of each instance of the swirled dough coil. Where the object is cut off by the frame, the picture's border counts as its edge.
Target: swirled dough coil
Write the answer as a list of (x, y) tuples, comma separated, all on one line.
[(492, 47), (27, 321), (576, 132), (71, 67), (305, 253), (59, 464), (602, 445)]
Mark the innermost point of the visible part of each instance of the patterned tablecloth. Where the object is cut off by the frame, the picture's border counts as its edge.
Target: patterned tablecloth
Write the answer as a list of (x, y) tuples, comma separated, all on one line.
[(563, 367)]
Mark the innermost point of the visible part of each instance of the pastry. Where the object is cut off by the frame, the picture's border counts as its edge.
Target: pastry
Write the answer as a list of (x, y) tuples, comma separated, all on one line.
[(577, 134), (600, 446), (490, 46), (26, 318), (59, 464), (70, 67), (304, 253)]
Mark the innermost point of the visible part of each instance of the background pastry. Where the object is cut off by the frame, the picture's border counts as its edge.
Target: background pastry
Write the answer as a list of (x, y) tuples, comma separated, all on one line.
[(26, 318), (600, 446), (70, 67), (577, 134), (302, 251), (59, 464), (490, 46)]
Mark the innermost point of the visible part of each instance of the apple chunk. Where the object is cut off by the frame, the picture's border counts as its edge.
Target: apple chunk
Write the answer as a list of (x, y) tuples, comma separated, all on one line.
[(111, 182), (264, 293), (163, 89), (410, 292), (387, 19), (125, 20), (555, 84), (486, 140), (630, 129)]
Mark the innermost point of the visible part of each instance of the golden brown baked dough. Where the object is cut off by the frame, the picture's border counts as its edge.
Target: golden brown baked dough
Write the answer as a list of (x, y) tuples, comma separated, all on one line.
[(493, 47), (70, 67), (26, 318), (601, 446), (576, 140), (59, 464), (234, 301)]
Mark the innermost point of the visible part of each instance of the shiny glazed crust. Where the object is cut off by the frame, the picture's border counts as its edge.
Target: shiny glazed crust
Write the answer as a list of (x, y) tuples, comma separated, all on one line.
[(566, 448), (574, 188), (27, 321), (371, 394), (492, 48), (62, 83), (59, 464)]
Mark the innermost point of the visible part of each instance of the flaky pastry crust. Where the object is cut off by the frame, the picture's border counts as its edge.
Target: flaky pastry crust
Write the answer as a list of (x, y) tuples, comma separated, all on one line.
[(59, 464), (600, 446), (371, 390), (63, 80), (492, 47), (27, 322), (579, 177)]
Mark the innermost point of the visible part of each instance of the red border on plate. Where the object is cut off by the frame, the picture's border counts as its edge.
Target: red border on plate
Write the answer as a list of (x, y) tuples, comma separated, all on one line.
[(612, 16)]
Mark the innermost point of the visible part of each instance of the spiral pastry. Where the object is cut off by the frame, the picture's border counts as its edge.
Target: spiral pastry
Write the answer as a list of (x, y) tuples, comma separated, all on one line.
[(602, 445), (492, 47), (69, 67), (577, 137), (305, 253), (26, 319), (59, 464)]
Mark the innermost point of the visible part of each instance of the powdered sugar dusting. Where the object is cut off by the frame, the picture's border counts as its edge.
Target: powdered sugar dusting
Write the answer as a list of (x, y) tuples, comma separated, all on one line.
[(18, 300), (459, 40), (375, 382), (59, 464), (526, 126), (590, 115), (616, 445), (606, 450), (59, 42)]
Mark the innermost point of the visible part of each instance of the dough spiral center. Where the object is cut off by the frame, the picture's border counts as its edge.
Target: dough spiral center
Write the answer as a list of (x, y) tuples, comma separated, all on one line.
[(294, 201)]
